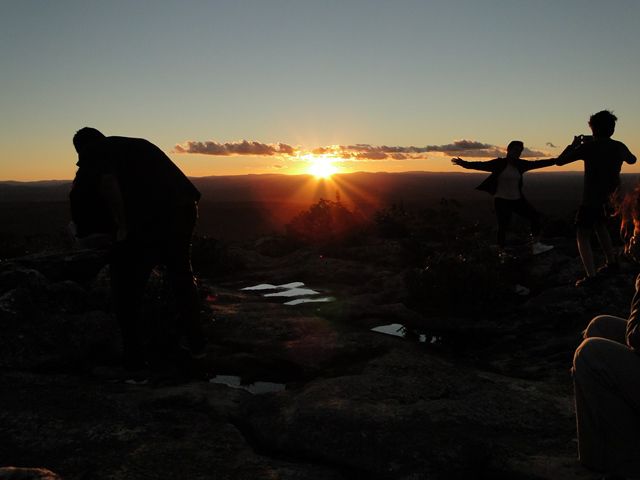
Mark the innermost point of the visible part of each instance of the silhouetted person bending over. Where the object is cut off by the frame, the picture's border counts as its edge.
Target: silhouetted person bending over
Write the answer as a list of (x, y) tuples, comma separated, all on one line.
[(151, 208), (505, 184), (603, 158)]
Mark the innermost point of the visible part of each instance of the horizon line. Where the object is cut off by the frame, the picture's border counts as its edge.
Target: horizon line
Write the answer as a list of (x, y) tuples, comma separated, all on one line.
[(563, 172)]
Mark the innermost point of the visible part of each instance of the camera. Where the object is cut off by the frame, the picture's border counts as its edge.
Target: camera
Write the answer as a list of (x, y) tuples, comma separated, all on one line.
[(584, 138)]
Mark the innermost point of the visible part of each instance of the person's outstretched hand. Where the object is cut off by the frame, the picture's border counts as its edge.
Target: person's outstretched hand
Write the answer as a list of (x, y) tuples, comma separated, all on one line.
[(457, 161)]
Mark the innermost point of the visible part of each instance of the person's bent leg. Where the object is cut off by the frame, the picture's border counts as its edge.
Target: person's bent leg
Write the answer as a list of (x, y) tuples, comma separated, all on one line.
[(503, 210), (526, 210), (607, 326), (129, 277), (182, 279), (583, 238), (607, 400), (605, 242)]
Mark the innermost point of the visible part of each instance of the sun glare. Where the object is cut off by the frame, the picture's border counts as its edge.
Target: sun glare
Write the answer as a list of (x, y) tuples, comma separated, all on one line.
[(321, 167)]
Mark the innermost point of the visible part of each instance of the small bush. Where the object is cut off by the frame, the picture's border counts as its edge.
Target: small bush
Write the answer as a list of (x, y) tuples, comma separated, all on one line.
[(325, 223), (471, 282), (393, 222), (211, 257)]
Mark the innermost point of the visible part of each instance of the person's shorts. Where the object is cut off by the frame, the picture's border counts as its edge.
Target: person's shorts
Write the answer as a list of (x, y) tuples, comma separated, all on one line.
[(588, 215)]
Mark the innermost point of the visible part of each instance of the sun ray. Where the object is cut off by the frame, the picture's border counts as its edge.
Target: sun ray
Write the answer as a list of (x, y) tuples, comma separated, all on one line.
[(355, 194)]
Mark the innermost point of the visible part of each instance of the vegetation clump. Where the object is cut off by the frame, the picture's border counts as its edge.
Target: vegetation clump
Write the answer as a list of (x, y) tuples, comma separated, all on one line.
[(326, 223)]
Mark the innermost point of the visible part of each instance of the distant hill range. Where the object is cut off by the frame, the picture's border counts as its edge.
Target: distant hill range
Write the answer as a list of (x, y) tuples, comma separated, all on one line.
[(238, 207)]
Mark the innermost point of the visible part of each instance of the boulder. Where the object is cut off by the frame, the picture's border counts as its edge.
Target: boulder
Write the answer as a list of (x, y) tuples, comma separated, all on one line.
[(19, 473), (409, 414)]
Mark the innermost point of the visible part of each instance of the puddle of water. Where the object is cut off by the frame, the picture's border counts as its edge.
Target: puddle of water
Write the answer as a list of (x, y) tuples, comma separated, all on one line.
[(290, 290), (395, 329), (256, 388), (268, 286), (262, 286), (298, 301), (293, 292), (399, 330), (292, 285)]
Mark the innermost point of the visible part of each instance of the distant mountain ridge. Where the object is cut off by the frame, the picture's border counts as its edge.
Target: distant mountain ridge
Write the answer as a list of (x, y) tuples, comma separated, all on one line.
[(245, 206)]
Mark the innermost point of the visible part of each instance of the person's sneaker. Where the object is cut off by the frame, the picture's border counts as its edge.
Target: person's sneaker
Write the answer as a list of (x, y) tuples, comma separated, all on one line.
[(609, 268), (537, 248)]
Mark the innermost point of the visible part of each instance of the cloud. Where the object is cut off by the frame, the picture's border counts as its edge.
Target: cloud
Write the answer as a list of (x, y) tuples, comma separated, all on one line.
[(534, 153), (551, 145), (235, 148), (468, 148), (354, 152), (365, 151)]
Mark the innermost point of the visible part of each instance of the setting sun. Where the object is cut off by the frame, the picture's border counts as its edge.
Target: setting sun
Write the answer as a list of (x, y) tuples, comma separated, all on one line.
[(321, 167)]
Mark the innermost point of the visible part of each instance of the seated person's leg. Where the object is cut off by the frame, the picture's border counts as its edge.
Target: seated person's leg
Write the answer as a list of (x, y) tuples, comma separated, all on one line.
[(607, 326), (607, 395)]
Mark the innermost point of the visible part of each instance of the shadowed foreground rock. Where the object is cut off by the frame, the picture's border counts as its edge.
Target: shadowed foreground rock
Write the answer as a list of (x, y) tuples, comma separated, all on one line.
[(17, 473), (491, 397)]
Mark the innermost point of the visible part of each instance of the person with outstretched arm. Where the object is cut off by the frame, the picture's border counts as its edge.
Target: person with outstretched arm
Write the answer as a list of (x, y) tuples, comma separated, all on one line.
[(505, 184)]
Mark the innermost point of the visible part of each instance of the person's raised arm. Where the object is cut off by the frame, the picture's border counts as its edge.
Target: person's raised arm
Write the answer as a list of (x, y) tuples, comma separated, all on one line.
[(571, 153), (483, 166)]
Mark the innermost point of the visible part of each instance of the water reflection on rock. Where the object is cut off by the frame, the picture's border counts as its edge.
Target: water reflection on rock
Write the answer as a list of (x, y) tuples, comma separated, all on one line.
[(299, 301), (256, 388), (289, 290), (293, 292), (399, 330)]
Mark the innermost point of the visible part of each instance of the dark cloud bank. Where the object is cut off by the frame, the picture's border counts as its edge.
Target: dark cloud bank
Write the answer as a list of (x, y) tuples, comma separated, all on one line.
[(364, 152)]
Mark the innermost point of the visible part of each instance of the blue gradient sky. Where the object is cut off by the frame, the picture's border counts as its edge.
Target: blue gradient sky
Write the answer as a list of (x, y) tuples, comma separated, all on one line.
[(310, 74)]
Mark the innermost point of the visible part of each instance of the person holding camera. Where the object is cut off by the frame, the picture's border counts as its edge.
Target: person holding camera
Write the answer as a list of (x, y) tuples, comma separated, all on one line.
[(505, 184), (603, 158)]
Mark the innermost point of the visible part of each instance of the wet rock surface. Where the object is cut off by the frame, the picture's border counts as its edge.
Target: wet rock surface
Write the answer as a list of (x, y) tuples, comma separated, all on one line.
[(488, 395)]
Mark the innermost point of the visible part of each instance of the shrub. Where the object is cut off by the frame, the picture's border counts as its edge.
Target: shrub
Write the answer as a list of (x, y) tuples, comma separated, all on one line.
[(211, 257), (470, 282), (393, 222), (325, 223)]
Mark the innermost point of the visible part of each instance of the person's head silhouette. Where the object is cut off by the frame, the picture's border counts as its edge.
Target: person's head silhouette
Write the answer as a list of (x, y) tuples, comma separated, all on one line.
[(514, 149), (85, 138), (603, 123)]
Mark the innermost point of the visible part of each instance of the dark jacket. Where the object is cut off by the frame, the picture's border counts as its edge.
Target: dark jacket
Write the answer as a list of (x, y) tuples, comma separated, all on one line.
[(497, 165), (151, 185), (89, 211)]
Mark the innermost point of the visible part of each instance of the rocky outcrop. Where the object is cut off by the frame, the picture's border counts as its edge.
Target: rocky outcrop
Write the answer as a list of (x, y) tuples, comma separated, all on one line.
[(21, 473), (52, 321), (481, 395)]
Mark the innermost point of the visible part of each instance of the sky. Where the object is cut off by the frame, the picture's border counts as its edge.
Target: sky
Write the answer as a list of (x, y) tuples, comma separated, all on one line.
[(266, 86)]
